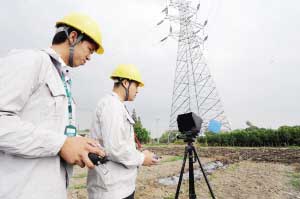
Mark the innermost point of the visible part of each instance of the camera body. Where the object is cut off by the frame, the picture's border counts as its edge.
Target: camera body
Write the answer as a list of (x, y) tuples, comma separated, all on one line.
[(189, 124)]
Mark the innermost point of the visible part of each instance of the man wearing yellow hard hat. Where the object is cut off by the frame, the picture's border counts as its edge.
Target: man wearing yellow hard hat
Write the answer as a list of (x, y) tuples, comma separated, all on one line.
[(113, 127), (38, 142)]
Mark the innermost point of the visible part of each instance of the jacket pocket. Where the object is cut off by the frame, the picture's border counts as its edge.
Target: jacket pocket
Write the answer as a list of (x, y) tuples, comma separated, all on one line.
[(57, 99), (56, 88), (129, 122)]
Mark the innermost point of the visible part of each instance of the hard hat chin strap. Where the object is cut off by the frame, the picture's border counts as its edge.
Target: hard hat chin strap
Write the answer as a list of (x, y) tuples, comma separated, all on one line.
[(72, 45), (71, 49), (126, 89)]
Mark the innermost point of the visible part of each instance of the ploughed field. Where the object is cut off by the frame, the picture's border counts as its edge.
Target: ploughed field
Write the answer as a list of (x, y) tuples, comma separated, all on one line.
[(250, 173)]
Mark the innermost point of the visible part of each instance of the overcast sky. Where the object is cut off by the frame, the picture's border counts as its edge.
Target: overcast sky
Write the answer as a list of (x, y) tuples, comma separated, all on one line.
[(252, 53)]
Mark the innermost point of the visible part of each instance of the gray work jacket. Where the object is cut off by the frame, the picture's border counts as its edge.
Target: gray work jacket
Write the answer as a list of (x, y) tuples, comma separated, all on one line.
[(33, 116), (113, 127)]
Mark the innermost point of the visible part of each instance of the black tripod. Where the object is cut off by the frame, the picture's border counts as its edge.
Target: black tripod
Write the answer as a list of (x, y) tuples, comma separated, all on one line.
[(191, 151)]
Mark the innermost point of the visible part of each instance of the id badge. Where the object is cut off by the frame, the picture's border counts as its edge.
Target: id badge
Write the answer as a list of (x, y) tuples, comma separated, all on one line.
[(70, 131)]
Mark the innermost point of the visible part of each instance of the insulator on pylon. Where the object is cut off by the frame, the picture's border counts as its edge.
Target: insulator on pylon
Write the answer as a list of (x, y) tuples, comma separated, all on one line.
[(163, 39), (160, 22)]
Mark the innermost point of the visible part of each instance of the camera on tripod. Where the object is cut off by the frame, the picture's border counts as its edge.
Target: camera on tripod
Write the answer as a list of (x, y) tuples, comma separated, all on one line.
[(189, 124)]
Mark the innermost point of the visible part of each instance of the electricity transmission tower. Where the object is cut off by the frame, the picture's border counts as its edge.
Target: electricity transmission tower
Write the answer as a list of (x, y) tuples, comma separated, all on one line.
[(194, 88)]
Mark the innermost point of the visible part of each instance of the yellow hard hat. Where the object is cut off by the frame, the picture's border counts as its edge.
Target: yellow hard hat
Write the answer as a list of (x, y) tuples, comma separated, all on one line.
[(86, 25), (128, 71)]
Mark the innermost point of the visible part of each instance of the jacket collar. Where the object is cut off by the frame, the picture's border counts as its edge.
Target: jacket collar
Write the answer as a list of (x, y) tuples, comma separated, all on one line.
[(60, 65), (126, 110), (116, 96)]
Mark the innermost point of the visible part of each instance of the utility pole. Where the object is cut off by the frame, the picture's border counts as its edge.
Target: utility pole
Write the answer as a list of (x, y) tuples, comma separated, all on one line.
[(156, 128)]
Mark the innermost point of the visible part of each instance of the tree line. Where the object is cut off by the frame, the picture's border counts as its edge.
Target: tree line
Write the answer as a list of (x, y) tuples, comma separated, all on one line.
[(254, 137)]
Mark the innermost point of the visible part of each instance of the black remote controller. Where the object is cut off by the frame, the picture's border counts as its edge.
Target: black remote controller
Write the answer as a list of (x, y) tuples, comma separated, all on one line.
[(96, 160)]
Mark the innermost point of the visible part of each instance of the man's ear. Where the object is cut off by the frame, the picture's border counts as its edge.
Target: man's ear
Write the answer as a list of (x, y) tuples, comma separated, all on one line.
[(125, 83), (73, 37)]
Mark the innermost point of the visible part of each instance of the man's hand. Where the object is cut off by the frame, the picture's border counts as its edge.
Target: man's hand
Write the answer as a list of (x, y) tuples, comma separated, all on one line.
[(76, 149), (150, 158)]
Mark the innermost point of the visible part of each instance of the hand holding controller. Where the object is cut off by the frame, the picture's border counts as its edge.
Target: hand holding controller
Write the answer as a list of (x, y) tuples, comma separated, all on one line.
[(97, 159)]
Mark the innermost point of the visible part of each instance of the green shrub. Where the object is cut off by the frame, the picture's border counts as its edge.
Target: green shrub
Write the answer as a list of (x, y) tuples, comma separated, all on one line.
[(254, 137)]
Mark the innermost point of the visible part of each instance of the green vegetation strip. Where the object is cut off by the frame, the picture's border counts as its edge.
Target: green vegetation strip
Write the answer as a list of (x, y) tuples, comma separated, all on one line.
[(78, 186), (293, 147), (82, 175), (295, 180), (171, 196), (172, 159), (284, 136)]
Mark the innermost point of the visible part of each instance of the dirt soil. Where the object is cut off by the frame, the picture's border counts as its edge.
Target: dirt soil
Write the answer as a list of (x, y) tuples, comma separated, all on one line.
[(250, 174), (236, 154)]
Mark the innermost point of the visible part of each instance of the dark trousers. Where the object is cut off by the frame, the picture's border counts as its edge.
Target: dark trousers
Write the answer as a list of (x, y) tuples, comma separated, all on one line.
[(130, 197)]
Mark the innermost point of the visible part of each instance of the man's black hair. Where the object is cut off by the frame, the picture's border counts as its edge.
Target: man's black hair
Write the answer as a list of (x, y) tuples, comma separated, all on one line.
[(61, 37), (119, 82)]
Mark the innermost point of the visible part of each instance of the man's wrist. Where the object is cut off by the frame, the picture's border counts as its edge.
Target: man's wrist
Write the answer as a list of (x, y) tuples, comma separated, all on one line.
[(142, 158)]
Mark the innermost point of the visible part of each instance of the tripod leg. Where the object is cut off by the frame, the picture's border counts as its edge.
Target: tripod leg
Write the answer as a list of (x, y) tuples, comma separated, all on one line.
[(205, 177), (192, 194), (181, 173)]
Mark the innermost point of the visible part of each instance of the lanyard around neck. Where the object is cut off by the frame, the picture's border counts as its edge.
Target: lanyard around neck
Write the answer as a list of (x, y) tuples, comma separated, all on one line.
[(69, 95), (57, 65)]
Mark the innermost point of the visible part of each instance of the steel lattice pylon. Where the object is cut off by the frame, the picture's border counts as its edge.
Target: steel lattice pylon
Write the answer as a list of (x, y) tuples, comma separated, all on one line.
[(194, 88)]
